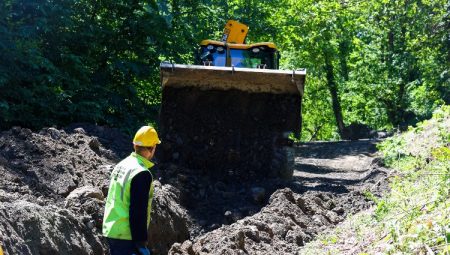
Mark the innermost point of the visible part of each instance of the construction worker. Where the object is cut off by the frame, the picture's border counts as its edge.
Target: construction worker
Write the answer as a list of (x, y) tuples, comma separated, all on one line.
[(128, 205)]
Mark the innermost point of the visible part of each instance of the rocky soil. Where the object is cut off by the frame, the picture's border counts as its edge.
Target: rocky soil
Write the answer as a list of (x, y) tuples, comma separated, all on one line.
[(53, 187), (54, 183), (330, 180), (203, 130)]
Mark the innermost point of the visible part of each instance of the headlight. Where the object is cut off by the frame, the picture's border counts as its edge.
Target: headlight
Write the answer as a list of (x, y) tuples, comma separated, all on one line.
[(220, 49), (255, 50), (210, 47)]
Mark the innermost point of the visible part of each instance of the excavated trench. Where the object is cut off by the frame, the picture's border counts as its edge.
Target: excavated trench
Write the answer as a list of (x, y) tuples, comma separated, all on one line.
[(54, 183)]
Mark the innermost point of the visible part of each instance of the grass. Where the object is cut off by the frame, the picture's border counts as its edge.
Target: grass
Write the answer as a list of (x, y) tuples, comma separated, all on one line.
[(414, 218)]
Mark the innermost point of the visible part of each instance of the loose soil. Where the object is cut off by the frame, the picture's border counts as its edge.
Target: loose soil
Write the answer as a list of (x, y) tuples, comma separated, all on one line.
[(330, 180), (55, 181), (227, 134), (53, 188)]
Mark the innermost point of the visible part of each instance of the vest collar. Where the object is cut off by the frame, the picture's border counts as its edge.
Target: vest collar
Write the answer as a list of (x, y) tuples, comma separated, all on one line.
[(143, 161)]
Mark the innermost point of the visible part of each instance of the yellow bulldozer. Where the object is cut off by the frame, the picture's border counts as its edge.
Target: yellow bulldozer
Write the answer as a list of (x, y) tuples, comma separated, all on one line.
[(230, 114)]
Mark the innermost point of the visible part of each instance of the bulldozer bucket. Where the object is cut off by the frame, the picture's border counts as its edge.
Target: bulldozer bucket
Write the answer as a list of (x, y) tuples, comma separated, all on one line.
[(226, 78), (230, 122)]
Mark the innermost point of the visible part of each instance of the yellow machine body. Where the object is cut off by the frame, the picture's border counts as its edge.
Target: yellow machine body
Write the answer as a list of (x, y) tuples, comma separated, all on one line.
[(242, 46), (234, 32)]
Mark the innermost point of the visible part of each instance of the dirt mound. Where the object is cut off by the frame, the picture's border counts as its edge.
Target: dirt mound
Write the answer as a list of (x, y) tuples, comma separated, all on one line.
[(53, 188), (28, 228), (170, 223), (55, 181), (214, 132), (282, 227), (331, 181)]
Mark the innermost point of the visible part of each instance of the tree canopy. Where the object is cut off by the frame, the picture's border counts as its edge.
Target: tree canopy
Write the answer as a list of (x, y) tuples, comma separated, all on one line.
[(384, 64)]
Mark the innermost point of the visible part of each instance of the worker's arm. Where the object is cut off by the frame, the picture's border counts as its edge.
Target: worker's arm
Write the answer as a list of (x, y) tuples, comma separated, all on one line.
[(139, 193)]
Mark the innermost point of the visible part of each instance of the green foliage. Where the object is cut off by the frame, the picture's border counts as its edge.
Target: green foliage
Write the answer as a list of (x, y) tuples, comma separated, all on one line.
[(388, 62), (60, 66), (414, 218), (383, 64), (417, 211)]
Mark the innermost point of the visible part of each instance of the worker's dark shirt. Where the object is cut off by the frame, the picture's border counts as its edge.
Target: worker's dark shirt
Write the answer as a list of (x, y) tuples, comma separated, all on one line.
[(139, 195)]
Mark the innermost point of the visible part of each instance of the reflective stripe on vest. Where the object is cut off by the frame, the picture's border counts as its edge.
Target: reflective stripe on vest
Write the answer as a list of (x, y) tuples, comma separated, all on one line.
[(116, 221)]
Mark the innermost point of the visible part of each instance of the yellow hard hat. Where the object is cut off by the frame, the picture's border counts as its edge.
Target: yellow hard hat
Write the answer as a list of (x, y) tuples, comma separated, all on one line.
[(146, 136)]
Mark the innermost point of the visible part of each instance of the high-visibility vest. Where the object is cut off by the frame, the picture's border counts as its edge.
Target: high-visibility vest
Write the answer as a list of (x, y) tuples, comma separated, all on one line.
[(116, 220)]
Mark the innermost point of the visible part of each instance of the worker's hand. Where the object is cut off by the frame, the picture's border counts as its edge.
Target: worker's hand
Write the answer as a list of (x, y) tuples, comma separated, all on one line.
[(143, 251), (141, 248)]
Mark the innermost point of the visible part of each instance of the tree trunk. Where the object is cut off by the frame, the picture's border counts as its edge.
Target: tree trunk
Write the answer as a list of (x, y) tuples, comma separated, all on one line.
[(344, 47), (332, 86)]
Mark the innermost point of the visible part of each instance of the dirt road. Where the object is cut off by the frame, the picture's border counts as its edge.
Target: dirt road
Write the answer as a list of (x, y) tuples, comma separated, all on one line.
[(345, 165)]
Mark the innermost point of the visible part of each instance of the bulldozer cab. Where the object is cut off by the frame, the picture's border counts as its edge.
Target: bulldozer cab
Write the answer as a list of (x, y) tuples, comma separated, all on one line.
[(232, 50), (260, 55)]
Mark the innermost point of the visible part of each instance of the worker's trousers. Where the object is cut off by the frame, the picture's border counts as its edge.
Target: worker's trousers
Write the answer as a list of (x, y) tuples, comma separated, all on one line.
[(122, 247)]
